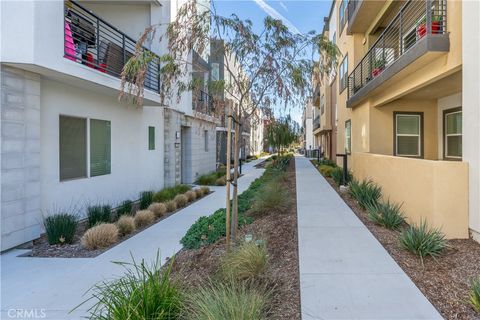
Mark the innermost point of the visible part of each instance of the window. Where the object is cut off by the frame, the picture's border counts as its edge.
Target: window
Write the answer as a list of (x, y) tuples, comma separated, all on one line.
[(151, 138), (99, 147), (73, 147), (343, 74), (322, 104), (452, 140), (343, 14), (215, 72), (205, 139), (348, 137), (408, 129)]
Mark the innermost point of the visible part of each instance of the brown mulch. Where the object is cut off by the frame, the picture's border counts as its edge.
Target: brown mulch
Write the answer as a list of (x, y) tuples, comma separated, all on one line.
[(445, 281), (42, 249), (279, 231)]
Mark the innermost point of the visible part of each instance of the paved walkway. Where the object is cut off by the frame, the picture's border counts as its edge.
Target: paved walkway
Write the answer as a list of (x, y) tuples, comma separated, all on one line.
[(53, 286), (345, 273)]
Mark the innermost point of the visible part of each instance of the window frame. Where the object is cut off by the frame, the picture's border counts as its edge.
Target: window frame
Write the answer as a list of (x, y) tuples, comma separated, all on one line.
[(343, 76), (87, 149), (90, 148), (349, 122), (205, 140), (421, 136), (444, 136), (342, 11), (151, 135)]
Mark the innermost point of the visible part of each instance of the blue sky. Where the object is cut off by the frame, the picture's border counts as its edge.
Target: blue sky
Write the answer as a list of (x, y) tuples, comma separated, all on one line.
[(298, 15)]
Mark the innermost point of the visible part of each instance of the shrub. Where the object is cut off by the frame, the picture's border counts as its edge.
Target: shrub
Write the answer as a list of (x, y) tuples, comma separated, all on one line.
[(199, 192), (272, 198), (100, 236), (367, 193), (169, 193), (386, 214), (171, 206), (221, 181), (60, 228), (247, 261), (143, 292), (159, 209), (205, 190), (144, 218), (220, 301), (181, 200), (211, 178), (326, 170), (337, 175), (98, 213), (181, 188), (207, 230), (423, 241), (475, 294), (125, 208), (191, 195), (146, 198), (126, 224), (327, 162)]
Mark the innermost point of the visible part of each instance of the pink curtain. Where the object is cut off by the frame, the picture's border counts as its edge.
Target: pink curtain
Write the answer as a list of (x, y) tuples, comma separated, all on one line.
[(69, 45)]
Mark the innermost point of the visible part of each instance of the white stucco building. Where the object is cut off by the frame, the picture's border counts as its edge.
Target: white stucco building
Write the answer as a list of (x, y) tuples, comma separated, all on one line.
[(66, 140), (307, 121)]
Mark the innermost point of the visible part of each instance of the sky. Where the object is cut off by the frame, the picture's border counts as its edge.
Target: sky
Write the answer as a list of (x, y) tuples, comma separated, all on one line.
[(298, 15)]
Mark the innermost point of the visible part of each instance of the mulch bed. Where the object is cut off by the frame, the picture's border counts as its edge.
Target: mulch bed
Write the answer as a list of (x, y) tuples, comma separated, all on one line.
[(42, 249), (445, 281), (279, 230)]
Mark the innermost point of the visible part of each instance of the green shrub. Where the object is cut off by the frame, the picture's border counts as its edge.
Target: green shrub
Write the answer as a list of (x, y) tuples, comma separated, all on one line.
[(211, 178), (282, 162), (146, 199), (327, 162), (60, 228), (181, 188), (143, 292), (367, 193), (125, 208), (222, 301), (423, 241), (326, 170), (386, 214), (272, 198), (475, 294), (98, 214), (337, 175), (247, 261), (167, 194)]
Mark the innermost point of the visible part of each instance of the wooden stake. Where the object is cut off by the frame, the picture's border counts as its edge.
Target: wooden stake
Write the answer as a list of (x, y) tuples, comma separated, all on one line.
[(235, 173), (229, 148)]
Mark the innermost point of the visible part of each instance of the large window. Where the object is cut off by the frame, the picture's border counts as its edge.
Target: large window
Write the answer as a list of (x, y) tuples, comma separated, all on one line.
[(73, 147), (99, 147), (348, 137), (343, 70), (408, 129), (453, 134)]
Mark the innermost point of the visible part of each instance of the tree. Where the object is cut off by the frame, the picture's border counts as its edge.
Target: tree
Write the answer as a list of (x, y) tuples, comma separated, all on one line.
[(263, 69), (282, 133)]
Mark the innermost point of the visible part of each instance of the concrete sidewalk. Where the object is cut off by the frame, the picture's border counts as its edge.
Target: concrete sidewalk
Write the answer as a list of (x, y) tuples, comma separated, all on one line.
[(345, 273), (53, 286)]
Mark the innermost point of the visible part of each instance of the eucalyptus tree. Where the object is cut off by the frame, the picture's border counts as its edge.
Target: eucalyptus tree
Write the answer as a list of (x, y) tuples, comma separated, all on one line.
[(265, 66)]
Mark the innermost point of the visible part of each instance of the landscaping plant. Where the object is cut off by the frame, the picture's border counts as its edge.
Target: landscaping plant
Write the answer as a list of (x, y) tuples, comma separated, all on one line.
[(228, 300), (272, 198), (98, 214), (326, 170), (60, 228), (247, 261), (423, 241), (191, 195), (337, 175), (100, 236), (475, 294), (199, 192), (367, 193), (143, 292), (211, 178), (205, 190), (181, 200), (125, 208), (171, 206), (159, 209), (146, 198), (126, 224), (144, 218), (386, 214), (221, 181), (170, 193)]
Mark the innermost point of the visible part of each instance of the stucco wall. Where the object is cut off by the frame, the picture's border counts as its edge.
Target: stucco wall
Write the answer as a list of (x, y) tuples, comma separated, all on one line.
[(433, 190)]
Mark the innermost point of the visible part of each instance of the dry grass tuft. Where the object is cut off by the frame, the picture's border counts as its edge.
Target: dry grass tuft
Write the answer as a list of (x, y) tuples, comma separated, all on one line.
[(221, 181), (158, 208), (144, 218), (191, 195), (100, 236), (126, 224), (205, 190), (171, 205), (247, 261), (181, 200), (199, 192)]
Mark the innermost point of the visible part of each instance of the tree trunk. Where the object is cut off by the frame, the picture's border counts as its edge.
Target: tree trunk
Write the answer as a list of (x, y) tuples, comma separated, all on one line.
[(229, 148), (235, 174)]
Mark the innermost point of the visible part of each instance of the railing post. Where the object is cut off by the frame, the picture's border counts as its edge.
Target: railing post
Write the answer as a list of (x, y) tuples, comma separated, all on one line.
[(124, 50), (98, 42), (400, 28), (428, 16)]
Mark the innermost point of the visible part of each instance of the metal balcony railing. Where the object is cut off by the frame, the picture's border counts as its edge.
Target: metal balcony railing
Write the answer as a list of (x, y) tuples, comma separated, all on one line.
[(202, 102), (415, 20), (92, 41)]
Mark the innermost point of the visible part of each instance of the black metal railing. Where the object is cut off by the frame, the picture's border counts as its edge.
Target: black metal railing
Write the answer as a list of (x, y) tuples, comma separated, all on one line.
[(202, 102), (415, 20), (92, 41)]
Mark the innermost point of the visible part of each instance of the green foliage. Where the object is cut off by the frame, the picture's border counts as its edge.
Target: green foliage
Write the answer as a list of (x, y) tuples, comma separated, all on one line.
[(367, 193), (125, 208), (98, 213), (272, 198), (229, 300), (423, 241), (60, 228), (337, 175), (386, 214), (142, 292), (211, 178), (247, 261), (146, 199), (281, 162), (326, 170), (167, 194), (281, 133), (475, 294)]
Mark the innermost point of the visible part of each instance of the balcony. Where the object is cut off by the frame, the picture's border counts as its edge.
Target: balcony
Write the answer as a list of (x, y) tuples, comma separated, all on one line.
[(202, 102), (417, 31), (361, 13), (95, 43), (316, 123)]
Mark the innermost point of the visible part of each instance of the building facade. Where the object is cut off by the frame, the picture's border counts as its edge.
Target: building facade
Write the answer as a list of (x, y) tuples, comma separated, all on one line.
[(67, 141), (404, 116)]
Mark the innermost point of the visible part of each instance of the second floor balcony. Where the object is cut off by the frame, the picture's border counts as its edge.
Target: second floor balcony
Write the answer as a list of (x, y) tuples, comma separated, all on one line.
[(316, 123), (202, 102), (419, 29)]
